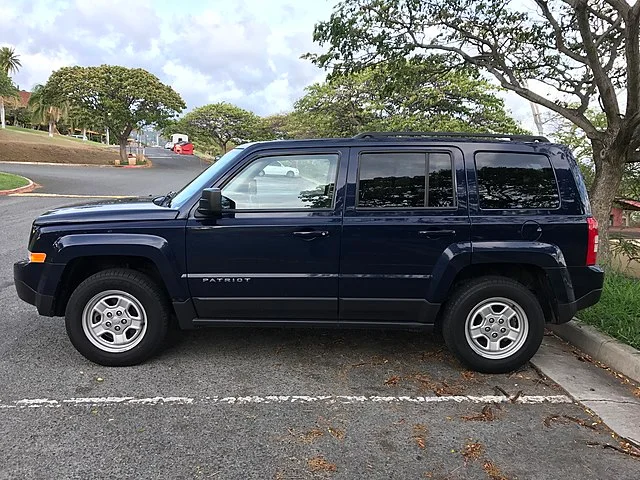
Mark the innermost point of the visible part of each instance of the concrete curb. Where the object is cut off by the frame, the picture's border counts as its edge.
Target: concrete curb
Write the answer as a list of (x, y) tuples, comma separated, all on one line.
[(52, 164), (27, 188), (601, 347)]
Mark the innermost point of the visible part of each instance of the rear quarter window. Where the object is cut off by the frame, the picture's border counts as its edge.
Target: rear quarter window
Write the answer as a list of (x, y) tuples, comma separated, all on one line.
[(509, 181)]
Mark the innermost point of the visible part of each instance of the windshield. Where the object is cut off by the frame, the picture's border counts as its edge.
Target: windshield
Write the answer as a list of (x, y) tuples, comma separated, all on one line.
[(203, 180)]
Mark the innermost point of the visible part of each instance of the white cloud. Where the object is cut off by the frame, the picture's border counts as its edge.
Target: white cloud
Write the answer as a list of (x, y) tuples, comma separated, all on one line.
[(243, 52)]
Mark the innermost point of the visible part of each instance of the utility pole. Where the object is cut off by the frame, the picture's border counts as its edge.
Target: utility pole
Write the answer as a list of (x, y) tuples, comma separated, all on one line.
[(537, 116), (108, 137)]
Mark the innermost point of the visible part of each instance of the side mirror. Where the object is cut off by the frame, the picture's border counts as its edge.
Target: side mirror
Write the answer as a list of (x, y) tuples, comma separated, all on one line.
[(211, 202)]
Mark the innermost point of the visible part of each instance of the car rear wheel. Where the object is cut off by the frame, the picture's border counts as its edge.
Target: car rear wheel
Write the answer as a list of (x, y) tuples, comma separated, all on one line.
[(291, 174), (117, 317), (493, 324)]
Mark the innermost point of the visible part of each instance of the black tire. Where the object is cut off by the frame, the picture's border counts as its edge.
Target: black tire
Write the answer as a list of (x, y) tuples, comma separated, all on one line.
[(291, 174), (470, 295), (135, 284)]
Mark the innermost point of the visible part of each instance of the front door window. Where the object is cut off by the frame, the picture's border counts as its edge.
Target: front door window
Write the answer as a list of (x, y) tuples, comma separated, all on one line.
[(291, 182)]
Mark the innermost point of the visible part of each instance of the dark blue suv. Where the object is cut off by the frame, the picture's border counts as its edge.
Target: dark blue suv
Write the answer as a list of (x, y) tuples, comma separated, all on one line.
[(483, 237)]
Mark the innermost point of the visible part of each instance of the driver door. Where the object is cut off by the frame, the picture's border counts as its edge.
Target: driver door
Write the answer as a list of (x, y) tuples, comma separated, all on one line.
[(274, 253)]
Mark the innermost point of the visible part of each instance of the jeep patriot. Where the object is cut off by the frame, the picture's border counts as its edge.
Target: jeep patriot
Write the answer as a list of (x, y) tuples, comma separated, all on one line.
[(483, 237)]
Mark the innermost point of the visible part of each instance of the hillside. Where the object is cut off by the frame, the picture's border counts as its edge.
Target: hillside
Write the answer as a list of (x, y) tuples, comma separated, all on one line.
[(24, 145)]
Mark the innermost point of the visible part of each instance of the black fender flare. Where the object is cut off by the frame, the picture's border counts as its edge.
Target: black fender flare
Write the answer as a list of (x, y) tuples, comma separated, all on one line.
[(458, 256), (151, 247)]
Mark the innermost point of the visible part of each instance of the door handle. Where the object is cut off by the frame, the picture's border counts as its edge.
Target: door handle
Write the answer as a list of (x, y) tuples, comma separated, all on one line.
[(311, 234), (436, 233)]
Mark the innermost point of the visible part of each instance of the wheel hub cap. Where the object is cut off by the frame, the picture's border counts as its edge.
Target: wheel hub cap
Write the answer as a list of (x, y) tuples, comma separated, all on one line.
[(496, 328), (114, 321)]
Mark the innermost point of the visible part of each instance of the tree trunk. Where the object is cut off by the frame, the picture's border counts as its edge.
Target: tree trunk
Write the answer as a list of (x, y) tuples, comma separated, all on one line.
[(51, 128), (123, 149), (2, 119), (609, 170), (84, 133)]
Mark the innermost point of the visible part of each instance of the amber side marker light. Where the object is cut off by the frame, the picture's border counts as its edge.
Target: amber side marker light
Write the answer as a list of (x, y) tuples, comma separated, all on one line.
[(37, 257)]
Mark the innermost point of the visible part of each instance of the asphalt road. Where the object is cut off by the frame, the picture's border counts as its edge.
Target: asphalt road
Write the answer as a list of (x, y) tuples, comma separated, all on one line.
[(350, 404), (169, 172)]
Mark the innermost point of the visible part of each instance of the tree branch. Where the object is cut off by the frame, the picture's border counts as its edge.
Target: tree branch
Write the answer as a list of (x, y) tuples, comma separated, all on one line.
[(621, 6), (632, 52), (574, 116), (605, 86), (557, 30)]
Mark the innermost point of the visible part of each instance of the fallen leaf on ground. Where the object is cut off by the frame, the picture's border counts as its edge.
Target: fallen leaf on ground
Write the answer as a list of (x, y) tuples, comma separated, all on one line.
[(486, 415), (319, 464), (419, 432), (392, 381), (339, 434), (492, 471), (446, 389), (473, 451), (468, 374), (311, 435)]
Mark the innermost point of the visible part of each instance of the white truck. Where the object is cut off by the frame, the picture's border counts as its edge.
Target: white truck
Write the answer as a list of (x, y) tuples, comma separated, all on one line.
[(179, 137)]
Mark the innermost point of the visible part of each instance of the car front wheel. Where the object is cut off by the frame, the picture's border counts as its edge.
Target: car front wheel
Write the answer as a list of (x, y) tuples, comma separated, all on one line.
[(493, 324), (117, 317)]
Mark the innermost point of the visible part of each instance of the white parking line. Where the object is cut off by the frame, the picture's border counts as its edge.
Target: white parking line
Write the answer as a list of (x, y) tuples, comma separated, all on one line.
[(280, 399)]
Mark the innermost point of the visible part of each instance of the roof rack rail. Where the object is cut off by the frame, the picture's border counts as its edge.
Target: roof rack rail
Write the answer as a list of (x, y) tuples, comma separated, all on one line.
[(505, 136)]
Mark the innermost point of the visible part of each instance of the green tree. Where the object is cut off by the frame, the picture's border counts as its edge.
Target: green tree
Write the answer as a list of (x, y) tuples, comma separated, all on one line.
[(279, 126), (222, 124), (408, 95), (7, 88), (121, 98), (9, 63), (83, 119), (584, 51), (47, 108)]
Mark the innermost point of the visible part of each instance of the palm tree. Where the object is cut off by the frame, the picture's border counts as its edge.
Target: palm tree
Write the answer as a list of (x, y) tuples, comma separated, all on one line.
[(44, 110), (9, 63)]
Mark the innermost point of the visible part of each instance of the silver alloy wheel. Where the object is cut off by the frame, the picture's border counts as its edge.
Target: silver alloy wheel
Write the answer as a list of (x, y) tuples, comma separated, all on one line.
[(496, 328), (114, 321)]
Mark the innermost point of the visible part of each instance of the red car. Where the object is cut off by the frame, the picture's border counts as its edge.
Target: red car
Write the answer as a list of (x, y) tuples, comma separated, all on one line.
[(183, 148)]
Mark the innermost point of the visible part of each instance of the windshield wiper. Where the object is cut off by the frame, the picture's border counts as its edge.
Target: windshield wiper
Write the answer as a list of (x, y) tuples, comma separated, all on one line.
[(165, 200)]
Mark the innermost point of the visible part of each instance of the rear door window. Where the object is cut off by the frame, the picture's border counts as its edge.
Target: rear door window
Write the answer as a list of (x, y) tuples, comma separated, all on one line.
[(405, 180), (516, 181)]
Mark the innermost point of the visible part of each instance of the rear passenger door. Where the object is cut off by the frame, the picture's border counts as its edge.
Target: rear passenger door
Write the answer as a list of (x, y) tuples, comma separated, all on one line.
[(514, 198), (404, 208)]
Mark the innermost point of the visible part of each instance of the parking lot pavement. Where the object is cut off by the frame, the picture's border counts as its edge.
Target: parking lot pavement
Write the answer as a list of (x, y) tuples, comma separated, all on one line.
[(272, 403)]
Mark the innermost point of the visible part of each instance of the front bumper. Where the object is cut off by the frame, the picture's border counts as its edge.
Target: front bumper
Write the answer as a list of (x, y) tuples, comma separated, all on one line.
[(27, 278)]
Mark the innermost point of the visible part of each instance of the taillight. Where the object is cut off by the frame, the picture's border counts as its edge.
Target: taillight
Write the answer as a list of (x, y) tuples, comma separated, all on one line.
[(592, 242)]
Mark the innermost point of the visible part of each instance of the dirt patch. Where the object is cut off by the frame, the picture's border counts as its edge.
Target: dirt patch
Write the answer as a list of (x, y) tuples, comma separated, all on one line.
[(21, 147)]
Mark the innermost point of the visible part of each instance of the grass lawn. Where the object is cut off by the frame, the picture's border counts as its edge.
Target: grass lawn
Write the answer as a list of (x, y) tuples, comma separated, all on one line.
[(618, 312), (25, 145), (42, 136), (9, 182)]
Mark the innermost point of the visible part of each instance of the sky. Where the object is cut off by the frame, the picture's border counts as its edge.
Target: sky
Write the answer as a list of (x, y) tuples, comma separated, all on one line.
[(246, 52)]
